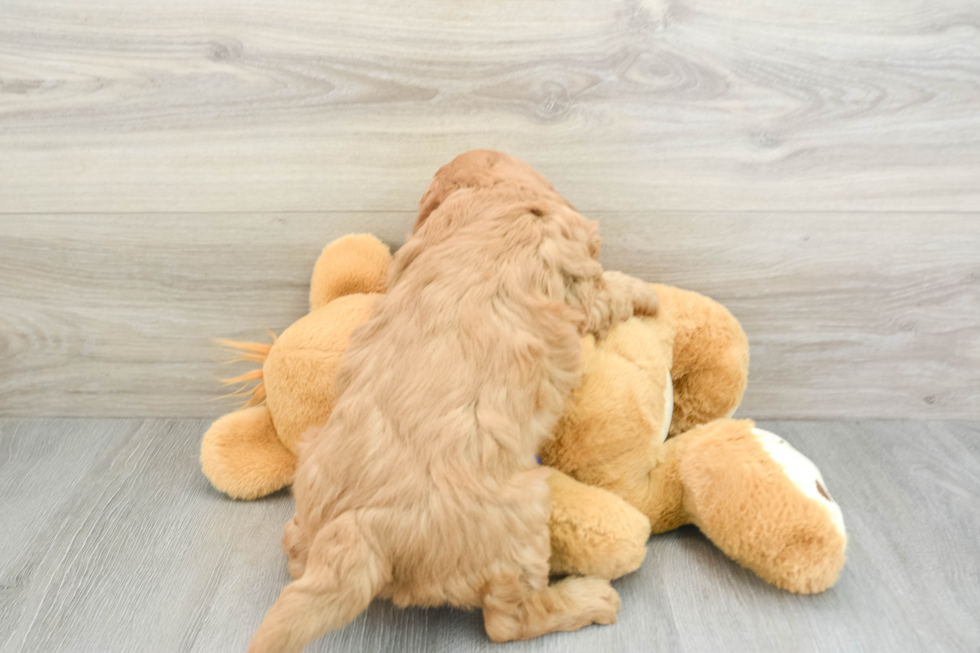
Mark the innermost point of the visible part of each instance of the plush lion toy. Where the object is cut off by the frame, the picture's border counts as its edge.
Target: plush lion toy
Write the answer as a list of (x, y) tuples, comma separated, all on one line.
[(645, 445)]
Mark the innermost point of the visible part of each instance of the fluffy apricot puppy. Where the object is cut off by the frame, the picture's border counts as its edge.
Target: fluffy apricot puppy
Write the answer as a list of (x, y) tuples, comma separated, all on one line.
[(422, 487)]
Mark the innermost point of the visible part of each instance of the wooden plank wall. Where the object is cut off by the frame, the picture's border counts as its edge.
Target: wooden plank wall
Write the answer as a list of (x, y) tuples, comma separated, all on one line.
[(169, 171)]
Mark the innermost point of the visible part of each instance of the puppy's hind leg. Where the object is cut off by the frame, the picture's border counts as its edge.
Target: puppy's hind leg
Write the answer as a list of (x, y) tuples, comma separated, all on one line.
[(512, 610), (343, 572), (296, 544)]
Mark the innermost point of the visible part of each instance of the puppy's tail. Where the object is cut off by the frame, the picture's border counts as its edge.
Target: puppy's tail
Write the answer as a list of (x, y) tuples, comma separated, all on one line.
[(344, 571)]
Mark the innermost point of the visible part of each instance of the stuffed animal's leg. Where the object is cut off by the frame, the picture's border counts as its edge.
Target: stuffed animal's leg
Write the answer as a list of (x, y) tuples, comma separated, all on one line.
[(242, 456), (763, 503), (593, 532)]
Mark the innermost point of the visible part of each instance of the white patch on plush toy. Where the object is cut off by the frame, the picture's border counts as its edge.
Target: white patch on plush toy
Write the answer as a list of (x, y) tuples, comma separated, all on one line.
[(668, 407), (802, 472)]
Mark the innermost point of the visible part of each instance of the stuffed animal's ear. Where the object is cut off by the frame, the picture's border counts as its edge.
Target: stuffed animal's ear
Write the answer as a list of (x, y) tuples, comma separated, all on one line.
[(353, 264)]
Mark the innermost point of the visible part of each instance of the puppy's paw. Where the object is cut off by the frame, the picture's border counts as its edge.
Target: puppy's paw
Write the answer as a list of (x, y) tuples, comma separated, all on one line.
[(646, 301), (630, 296), (606, 603), (596, 599)]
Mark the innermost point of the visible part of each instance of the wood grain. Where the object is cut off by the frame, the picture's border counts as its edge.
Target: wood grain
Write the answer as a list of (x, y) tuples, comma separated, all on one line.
[(861, 315), (231, 105), (113, 541), (116, 315), (864, 315)]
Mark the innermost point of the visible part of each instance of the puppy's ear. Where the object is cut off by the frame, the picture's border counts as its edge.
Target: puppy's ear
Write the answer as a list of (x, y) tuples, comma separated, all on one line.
[(473, 169), (438, 190), (403, 258)]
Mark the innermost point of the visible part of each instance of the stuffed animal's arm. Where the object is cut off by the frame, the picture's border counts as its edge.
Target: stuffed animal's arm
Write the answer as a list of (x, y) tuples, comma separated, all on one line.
[(710, 358), (242, 455)]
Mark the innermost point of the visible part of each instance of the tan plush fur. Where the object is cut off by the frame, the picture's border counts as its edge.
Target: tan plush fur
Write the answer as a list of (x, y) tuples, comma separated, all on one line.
[(715, 475), (250, 453), (593, 532), (422, 486), (610, 433), (710, 358), (243, 455), (753, 511), (352, 265)]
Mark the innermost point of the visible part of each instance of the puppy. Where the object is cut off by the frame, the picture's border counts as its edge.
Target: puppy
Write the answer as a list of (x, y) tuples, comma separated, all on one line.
[(422, 487)]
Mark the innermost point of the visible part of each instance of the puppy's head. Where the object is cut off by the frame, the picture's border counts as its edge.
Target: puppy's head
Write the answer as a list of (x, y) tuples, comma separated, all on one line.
[(484, 187), (479, 169)]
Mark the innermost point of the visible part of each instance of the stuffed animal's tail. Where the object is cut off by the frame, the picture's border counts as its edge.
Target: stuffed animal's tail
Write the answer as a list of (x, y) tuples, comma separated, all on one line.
[(248, 351), (343, 572)]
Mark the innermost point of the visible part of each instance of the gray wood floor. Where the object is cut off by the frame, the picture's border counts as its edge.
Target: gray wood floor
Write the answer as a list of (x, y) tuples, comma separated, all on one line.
[(111, 540)]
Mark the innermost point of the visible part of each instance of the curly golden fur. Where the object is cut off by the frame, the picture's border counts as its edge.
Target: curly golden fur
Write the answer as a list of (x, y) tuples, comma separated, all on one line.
[(422, 487)]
